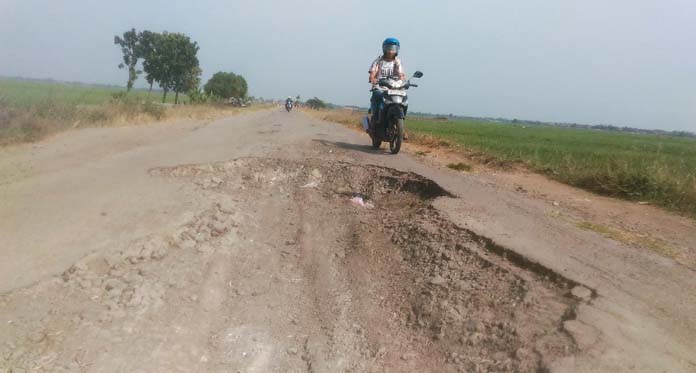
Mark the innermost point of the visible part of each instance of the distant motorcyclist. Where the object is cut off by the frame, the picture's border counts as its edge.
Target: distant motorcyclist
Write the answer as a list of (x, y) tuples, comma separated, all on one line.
[(388, 65)]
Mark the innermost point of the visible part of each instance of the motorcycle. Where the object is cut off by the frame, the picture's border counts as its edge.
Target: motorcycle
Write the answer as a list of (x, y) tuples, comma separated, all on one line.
[(392, 112), (288, 106)]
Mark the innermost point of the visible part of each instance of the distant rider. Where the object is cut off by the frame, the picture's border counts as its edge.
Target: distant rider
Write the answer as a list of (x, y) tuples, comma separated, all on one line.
[(388, 65)]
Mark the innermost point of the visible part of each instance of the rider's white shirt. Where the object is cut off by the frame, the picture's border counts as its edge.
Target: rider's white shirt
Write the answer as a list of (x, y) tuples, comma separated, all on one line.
[(387, 69)]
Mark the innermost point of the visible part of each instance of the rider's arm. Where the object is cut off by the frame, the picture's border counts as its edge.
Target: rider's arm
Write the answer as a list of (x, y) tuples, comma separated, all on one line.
[(402, 74), (373, 77), (374, 69)]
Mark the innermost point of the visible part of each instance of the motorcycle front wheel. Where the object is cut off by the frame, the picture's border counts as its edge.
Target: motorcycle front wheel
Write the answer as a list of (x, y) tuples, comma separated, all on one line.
[(395, 143)]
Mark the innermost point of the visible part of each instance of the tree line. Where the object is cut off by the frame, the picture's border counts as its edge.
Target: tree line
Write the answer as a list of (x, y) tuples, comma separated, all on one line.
[(171, 61)]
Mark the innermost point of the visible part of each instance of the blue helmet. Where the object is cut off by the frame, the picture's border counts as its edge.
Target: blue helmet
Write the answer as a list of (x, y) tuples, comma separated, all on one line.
[(391, 44)]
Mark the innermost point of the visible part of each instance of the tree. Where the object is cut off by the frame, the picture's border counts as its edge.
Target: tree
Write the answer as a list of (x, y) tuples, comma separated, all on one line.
[(226, 85), (129, 48), (242, 87), (176, 64), (147, 50), (315, 103)]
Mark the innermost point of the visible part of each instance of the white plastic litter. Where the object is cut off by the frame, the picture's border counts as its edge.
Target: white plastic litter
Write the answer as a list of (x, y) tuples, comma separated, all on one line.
[(361, 202), (312, 184)]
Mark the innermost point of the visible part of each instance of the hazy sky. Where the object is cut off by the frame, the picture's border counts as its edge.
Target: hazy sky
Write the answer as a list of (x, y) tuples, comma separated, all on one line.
[(625, 62)]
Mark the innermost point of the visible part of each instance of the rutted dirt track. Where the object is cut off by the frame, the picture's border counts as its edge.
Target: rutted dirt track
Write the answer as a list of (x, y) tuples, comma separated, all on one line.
[(265, 261)]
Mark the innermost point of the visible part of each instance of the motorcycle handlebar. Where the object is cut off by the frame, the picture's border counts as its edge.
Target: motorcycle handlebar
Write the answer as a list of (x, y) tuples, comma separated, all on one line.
[(406, 86)]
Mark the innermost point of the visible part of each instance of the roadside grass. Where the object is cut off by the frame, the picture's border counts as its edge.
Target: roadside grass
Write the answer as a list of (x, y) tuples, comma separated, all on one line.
[(32, 123), (21, 93), (31, 111), (651, 168), (656, 169), (350, 118)]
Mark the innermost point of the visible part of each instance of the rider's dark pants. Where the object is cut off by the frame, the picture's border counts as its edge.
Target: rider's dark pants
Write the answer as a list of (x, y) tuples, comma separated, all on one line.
[(375, 102)]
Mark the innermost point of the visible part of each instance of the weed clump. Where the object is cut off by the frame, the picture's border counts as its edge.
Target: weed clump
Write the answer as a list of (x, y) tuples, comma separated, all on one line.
[(459, 166)]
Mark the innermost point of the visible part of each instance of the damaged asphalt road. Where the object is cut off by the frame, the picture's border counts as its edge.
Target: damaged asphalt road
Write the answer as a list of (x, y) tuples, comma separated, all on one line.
[(261, 243)]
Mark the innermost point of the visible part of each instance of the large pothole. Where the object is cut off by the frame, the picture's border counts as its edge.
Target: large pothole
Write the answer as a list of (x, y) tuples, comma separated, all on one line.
[(481, 311), (309, 264)]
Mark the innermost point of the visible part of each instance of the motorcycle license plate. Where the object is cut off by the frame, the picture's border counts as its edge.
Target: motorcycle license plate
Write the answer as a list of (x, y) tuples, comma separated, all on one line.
[(396, 93)]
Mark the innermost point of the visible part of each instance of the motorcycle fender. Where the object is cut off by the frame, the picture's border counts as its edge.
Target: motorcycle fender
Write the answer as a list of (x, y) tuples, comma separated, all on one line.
[(396, 111)]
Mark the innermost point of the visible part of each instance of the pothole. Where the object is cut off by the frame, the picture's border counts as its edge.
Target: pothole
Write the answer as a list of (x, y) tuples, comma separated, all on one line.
[(372, 182), (482, 307)]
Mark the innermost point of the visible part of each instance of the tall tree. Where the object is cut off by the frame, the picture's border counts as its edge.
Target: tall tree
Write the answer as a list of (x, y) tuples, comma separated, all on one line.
[(147, 50), (129, 47), (177, 63)]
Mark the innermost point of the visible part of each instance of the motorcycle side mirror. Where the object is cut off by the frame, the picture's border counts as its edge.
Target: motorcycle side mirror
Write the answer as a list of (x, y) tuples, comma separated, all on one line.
[(418, 74)]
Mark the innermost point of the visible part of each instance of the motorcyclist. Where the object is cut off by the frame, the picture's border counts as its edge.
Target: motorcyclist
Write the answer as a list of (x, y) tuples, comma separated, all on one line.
[(388, 65), (288, 100)]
